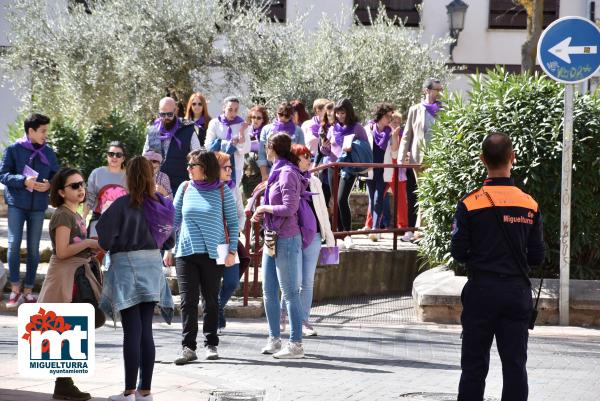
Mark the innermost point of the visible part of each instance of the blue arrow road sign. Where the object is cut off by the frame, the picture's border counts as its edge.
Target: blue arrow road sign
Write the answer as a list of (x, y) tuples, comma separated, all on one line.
[(569, 49)]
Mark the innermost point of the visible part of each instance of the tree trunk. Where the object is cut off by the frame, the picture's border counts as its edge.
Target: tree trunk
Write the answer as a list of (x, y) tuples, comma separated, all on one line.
[(535, 25)]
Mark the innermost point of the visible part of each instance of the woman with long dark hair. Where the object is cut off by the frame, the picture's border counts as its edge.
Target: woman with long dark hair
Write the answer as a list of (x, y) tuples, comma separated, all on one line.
[(340, 137), (283, 245), (133, 230)]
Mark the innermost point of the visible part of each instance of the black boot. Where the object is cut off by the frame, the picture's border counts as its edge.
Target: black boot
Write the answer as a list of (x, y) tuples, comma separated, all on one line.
[(65, 389)]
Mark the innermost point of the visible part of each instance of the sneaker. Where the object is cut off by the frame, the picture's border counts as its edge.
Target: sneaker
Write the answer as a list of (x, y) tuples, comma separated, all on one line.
[(122, 397), (211, 353), (282, 322), (186, 355), (407, 237), (348, 243), (14, 300), (140, 397), (308, 330), (273, 346), (292, 350), (30, 298), (65, 389), (374, 237)]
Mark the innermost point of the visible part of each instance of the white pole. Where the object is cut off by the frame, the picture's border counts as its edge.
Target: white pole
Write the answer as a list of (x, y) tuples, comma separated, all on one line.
[(565, 209)]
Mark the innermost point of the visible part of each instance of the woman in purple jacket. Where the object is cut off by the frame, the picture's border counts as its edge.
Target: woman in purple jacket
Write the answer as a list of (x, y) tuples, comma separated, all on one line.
[(283, 245), (339, 139)]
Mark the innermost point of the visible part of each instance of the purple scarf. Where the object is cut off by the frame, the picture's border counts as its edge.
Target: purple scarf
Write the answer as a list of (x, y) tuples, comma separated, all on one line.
[(432, 108), (339, 132), (27, 144), (289, 128), (206, 186), (381, 139), (159, 215), (256, 132), (230, 184), (163, 134), (228, 124), (200, 122)]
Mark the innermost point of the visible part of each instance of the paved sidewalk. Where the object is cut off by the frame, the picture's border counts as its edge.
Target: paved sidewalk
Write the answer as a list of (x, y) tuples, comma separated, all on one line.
[(345, 362)]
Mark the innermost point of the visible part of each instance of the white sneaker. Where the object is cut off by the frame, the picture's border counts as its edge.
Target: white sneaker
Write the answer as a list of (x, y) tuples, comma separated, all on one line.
[(122, 397), (308, 330), (374, 237), (292, 350), (273, 346), (211, 353), (407, 237), (186, 355), (348, 242), (140, 397)]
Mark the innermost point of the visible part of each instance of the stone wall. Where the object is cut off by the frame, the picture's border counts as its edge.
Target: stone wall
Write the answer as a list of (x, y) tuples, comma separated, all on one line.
[(3, 206)]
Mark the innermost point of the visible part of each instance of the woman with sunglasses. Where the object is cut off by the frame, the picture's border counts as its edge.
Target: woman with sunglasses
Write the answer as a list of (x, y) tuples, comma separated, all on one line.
[(257, 117), (101, 179), (70, 252), (133, 230), (282, 253), (197, 113), (205, 219), (283, 123)]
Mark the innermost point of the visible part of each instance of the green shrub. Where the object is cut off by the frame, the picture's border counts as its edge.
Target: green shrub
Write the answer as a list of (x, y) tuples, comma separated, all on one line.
[(66, 139), (530, 109), (116, 127)]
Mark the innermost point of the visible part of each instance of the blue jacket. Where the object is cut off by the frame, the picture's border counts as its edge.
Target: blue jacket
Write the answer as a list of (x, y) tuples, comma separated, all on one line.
[(361, 153), (11, 175)]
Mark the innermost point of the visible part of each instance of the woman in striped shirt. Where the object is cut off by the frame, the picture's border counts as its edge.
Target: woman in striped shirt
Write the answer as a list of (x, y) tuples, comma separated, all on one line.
[(202, 205)]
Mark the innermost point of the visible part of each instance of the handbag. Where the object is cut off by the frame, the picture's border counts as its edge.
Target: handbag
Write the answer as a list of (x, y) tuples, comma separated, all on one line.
[(223, 249), (83, 292), (329, 255), (271, 242), (534, 312)]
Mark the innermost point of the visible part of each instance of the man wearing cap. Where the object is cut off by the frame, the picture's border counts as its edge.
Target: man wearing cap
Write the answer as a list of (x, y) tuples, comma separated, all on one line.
[(163, 184), (174, 139)]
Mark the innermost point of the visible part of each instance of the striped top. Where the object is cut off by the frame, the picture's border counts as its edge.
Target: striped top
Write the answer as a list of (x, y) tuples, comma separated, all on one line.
[(199, 217)]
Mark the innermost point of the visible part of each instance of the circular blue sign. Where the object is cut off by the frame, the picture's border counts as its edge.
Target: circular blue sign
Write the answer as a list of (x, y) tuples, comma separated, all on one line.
[(569, 49)]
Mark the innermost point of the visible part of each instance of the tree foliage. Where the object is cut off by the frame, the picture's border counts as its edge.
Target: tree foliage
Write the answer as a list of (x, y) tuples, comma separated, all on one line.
[(530, 109)]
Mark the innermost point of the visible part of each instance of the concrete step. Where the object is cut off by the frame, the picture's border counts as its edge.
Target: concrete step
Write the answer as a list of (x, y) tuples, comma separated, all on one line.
[(234, 308)]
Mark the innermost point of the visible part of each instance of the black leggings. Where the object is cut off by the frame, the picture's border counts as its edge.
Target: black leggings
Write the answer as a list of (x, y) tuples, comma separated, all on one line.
[(138, 345), (343, 196)]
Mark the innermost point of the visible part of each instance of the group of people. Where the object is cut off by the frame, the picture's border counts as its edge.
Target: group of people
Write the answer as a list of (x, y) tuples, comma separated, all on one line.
[(180, 204)]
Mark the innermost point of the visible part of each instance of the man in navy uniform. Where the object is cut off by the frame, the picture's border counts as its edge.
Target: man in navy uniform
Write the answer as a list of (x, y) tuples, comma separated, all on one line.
[(497, 233)]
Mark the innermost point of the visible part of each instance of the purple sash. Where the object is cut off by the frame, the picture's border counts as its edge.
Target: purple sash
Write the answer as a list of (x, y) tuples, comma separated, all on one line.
[(159, 215), (228, 124), (432, 108), (289, 128), (381, 139), (164, 134), (339, 132), (206, 186), (27, 144)]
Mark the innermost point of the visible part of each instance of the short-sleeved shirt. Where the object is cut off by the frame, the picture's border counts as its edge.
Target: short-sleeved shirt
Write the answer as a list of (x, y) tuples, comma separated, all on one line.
[(63, 216)]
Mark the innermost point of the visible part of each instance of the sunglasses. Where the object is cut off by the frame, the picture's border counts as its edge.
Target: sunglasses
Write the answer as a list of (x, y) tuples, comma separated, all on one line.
[(192, 165), (196, 104), (283, 115), (118, 155), (227, 168), (256, 117), (168, 114), (75, 185)]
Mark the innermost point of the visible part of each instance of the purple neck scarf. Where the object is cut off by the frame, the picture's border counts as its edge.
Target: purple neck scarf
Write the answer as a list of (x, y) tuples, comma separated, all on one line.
[(27, 144), (256, 132), (339, 132), (381, 139), (164, 134), (432, 108), (206, 186), (224, 121), (199, 122), (316, 126), (230, 184), (159, 215), (289, 128)]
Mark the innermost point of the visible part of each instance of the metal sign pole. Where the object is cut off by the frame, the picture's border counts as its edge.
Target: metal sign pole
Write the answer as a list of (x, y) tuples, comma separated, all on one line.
[(565, 209)]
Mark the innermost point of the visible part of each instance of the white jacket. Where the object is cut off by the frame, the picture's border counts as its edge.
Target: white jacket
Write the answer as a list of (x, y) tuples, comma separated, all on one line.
[(216, 130), (320, 206)]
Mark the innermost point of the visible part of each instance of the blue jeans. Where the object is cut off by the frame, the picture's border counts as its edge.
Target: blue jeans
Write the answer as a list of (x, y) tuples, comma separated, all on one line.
[(231, 282), (376, 188), (35, 222), (282, 272)]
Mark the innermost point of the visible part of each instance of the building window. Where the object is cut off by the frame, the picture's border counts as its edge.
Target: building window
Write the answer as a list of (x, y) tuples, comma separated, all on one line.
[(506, 14), (406, 10)]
